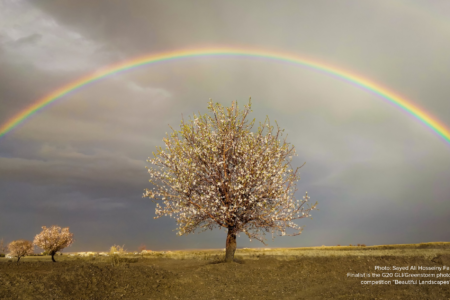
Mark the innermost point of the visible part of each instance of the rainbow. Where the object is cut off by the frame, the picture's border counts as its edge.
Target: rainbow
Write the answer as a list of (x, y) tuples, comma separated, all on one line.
[(384, 93)]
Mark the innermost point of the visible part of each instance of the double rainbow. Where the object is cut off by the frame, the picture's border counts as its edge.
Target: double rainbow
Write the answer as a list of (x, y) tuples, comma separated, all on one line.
[(400, 102)]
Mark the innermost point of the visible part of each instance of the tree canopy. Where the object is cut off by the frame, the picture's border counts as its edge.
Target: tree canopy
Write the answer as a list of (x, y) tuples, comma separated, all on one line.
[(221, 174)]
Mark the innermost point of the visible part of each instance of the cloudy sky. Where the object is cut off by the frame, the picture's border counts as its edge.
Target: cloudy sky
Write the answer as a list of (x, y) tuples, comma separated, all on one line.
[(380, 176)]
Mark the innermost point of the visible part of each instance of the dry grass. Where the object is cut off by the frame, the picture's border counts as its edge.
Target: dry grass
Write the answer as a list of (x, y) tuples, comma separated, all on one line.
[(122, 255)]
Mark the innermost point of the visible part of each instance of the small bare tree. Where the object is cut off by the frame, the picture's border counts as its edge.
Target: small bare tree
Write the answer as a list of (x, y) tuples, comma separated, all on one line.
[(220, 174), (20, 248), (53, 239), (116, 249), (3, 247), (114, 254)]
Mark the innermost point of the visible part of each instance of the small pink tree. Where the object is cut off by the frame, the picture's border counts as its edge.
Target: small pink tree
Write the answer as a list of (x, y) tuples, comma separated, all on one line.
[(142, 247), (20, 248), (53, 239)]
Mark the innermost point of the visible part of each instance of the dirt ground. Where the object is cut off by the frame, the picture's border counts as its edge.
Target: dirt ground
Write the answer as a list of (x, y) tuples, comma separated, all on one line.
[(254, 275)]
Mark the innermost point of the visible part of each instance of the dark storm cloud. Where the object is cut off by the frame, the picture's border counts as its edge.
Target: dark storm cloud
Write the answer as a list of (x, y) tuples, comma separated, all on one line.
[(67, 166)]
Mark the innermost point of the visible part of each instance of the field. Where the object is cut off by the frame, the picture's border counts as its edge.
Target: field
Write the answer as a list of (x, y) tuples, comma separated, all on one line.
[(297, 273)]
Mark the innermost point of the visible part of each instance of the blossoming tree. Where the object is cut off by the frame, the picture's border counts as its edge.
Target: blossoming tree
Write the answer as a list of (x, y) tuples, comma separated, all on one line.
[(53, 239), (220, 174), (20, 248)]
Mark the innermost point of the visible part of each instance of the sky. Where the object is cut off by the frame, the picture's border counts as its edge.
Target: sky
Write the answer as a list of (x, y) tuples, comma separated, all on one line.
[(379, 175)]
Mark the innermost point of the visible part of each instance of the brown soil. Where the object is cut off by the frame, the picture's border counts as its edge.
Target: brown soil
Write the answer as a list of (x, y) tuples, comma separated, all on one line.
[(307, 274)]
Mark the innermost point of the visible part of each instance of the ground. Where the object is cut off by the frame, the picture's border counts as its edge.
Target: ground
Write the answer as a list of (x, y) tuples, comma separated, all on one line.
[(314, 274)]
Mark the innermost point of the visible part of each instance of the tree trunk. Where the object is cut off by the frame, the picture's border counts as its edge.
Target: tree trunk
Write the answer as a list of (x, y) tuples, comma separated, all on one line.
[(53, 254), (18, 258), (230, 246)]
